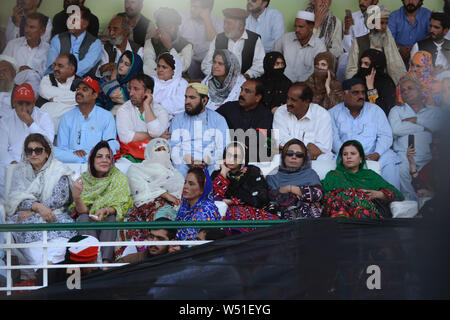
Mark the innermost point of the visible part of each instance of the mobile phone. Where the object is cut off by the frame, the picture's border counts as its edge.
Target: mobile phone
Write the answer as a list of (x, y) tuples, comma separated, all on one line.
[(348, 13), (411, 140)]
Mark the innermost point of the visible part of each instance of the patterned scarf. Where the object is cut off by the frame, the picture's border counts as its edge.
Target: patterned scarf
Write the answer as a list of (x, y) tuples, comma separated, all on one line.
[(327, 27), (219, 91)]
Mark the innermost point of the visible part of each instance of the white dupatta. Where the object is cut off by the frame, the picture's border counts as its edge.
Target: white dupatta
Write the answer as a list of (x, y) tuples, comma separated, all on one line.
[(155, 175), (24, 184)]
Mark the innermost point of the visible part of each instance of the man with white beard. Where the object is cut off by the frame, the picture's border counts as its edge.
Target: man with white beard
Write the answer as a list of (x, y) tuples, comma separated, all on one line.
[(116, 44), (380, 39), (8, 69)]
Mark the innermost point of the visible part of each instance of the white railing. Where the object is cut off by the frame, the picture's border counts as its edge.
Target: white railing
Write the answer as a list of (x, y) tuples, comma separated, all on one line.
[(9, 246)]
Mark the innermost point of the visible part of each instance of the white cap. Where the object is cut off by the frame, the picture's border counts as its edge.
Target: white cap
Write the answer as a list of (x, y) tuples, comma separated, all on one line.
[(305, 15), (11, 60)]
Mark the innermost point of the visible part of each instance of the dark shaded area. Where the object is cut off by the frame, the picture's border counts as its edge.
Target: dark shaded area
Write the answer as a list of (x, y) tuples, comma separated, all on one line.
[(306, 259)]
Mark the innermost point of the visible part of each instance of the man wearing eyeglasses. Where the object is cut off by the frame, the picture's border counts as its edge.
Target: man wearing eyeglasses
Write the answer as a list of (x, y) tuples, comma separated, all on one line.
[(301, 119), (26, 119)]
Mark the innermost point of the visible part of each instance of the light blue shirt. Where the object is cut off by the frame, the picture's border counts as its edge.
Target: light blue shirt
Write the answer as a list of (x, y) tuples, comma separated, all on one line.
[(406, 34), (91, 59), (371, 128), (429, 117), (77, 133), (203, 135), (269, 25)]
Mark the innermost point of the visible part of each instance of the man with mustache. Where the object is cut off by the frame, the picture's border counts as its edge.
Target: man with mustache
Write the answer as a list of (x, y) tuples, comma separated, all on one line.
[(409, 24), (25, 120), (356, 119), (379, 38), (249, 113), (81, 128), (29, 50), (437, 45), (301, 119), (300, 47), (15, 27), (354, 27), (199, 135), (116, 44), (56, 92)]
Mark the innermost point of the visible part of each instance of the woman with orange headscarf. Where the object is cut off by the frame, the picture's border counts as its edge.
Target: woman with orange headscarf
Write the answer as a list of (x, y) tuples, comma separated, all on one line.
[(421, 67)]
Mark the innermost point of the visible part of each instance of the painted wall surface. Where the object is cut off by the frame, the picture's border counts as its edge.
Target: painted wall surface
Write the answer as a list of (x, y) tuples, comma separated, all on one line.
[(105, 9)]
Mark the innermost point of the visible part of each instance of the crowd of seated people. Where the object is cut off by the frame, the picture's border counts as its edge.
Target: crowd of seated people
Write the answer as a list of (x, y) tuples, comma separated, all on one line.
[(178, 104)]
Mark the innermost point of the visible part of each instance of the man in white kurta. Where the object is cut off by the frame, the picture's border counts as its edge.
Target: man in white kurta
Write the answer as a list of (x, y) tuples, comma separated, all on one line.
[(417, 119), (140, 118), (30, 51), (8, 69), (26, 119), (308, 122), (56, 88), (299, 48)]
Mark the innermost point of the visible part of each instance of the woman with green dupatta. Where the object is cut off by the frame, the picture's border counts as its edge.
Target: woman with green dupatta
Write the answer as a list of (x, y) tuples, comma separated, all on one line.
[(102, 193), (353, 191)]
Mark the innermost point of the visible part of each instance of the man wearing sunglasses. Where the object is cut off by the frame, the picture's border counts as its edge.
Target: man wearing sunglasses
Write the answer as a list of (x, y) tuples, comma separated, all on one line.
[(26, 119), (301, 119)]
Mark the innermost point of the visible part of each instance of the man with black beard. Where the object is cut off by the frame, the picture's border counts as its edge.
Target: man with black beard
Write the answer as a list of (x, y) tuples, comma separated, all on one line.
[(409, 24), (380, 39), (198, 135), (249, 113)]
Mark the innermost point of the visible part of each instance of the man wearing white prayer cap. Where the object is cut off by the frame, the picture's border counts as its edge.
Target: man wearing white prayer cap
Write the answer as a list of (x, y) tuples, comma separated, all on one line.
[(300, 47)]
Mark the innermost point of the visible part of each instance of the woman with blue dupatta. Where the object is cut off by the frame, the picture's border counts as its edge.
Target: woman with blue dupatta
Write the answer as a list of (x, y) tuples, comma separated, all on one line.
[(197, 202), (115, 89)]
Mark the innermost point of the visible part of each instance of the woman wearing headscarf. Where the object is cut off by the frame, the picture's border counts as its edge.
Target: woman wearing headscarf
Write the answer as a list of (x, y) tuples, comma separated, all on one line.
[(276, 84), (225, 80), (115, 89), (327, 90), (170, 87), (295, 190), (381, 88), (38, 191), (102, 193), (242, 187), (197, 202), (421, 67), (353, 191), (156, 188)]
